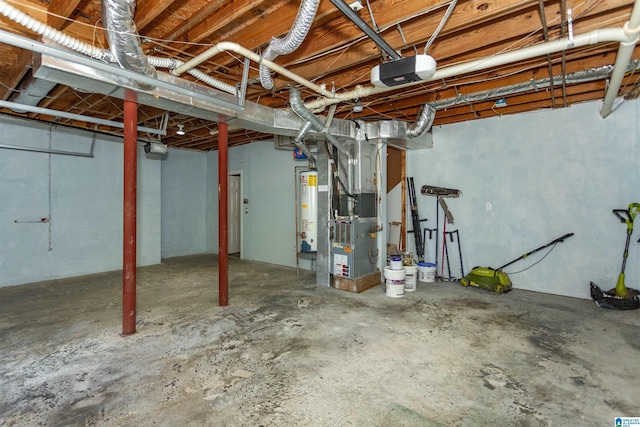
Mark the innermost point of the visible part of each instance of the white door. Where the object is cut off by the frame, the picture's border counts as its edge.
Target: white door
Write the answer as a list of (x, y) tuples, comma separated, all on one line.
[(234, 213)]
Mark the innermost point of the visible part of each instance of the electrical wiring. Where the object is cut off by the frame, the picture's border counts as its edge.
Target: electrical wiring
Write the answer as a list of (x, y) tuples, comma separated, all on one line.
[(444, 20), (545, 255)]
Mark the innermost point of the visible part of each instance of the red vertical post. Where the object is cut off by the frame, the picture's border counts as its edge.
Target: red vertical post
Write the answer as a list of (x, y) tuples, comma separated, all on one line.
[(223, 202), (129, 213)]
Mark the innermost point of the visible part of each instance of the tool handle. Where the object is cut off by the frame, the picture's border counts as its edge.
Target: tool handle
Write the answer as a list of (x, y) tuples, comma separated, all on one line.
[(623, 214), (562, 239)]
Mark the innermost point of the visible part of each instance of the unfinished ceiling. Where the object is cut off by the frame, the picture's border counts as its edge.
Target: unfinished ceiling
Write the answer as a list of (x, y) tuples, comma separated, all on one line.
[(337, 54)]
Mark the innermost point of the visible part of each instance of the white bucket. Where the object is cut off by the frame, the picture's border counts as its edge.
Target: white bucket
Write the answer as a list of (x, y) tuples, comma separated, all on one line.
[(395, 291), (395, 262), (394, 282), (426, 272), (410, 278)]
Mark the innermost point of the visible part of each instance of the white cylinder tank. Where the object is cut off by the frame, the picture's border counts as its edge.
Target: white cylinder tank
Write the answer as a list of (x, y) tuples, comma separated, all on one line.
[(308, 211)]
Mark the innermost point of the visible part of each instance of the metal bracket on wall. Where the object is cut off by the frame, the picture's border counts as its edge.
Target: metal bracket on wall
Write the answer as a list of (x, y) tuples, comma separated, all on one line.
[(49, 151)]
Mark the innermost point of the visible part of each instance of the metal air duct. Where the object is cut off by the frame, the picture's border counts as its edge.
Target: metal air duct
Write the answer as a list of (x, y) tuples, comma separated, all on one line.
[(297, 105), (32, 92)]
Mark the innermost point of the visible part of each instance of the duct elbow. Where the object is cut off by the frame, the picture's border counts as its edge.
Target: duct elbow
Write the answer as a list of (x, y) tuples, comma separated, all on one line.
[(424, 121)]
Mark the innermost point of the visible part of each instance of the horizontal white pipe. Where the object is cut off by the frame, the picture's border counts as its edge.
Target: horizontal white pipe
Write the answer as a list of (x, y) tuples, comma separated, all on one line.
[(72, 116), (34, 46), (46, 151), (586, 39), (623, 57), (234, 47)]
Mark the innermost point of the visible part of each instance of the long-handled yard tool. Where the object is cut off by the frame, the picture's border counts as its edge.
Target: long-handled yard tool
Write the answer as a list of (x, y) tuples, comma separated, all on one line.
[(494, 279), (439, 193), (620, 297)]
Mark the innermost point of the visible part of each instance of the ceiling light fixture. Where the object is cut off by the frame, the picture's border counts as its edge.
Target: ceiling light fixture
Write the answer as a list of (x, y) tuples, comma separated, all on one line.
[(180, 130)]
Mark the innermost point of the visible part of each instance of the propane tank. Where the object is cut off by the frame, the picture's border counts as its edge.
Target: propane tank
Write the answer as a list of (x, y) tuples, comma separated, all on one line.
[(308, 211)]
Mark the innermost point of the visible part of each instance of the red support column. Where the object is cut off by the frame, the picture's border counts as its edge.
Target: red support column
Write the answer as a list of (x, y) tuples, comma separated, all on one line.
[(129, 214), (223, 237)]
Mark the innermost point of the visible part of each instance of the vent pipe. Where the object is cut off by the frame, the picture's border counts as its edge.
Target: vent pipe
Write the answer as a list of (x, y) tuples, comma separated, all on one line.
[(299, 141), (298, 107), (291, 41), (424, 121)]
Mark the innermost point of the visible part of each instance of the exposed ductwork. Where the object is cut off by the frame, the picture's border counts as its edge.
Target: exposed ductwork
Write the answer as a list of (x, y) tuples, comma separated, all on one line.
[(298, 107), (302, 146), (428, 112), (291, 41), (122, 34), (32, 92), (104, 55), (424, 121), (571, 78)]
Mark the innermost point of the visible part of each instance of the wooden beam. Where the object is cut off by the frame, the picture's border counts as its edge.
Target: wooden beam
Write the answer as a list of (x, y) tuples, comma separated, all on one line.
[(148, 10), (58, 10), (16, 73)]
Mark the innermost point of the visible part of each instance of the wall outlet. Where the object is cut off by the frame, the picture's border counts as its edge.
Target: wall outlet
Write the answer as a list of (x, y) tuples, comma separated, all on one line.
[(488, 206)]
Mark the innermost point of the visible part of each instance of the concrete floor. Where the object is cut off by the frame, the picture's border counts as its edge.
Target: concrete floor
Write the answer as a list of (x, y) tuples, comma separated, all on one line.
[(288, 353)]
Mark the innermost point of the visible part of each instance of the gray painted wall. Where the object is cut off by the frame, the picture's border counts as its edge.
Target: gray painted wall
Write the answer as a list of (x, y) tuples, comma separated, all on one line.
[(184, 203), (545, 174), (268, 223), (190, 203), (85, 199)]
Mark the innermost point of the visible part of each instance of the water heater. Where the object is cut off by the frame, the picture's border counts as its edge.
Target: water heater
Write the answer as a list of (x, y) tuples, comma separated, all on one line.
[(308, 211)]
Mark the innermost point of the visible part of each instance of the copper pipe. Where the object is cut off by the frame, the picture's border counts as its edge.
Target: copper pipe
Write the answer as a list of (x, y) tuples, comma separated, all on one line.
[(223, 202), (129, 214)]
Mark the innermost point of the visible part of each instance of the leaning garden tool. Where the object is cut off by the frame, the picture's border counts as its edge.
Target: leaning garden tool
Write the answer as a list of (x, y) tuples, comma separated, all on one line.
[(495, 279), (620, 297)]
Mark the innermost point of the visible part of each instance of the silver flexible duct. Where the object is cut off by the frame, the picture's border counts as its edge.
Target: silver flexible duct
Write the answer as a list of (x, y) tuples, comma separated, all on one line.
[(591, 74), (117, 16), (424, 121), (291, 41), (105, 55), (427, 115)]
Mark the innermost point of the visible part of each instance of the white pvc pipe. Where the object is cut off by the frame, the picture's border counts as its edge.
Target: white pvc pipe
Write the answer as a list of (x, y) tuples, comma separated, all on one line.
[(586, 39), (631, 29), (593, 37), (240, 50)]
